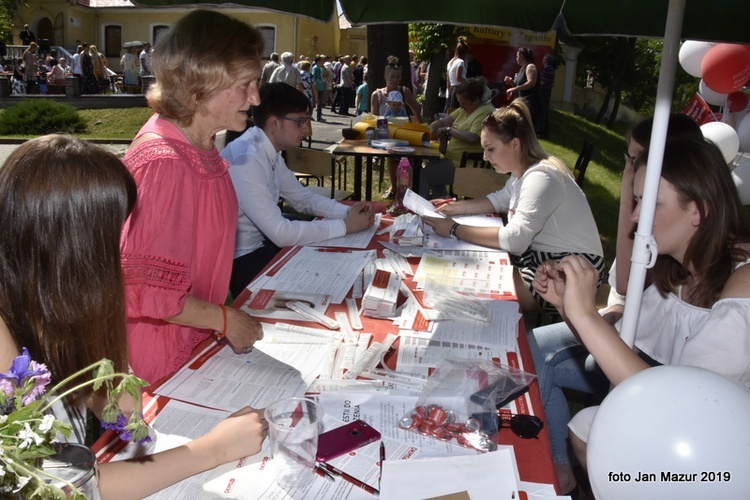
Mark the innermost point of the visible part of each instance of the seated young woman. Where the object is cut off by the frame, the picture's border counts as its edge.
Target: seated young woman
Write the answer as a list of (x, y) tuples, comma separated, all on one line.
[(695, 311), (561, 361), (63, 203), (548, 214)]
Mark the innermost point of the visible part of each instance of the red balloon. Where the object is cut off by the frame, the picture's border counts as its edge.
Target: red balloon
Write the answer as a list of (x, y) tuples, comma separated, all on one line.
[(726, 67), (737, 101)]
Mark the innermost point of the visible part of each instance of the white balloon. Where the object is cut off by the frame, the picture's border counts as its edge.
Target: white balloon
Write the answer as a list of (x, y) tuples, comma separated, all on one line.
[(741, 177), (743, 131), (683, 431), (691, 55), (710, 96), (724, 136)]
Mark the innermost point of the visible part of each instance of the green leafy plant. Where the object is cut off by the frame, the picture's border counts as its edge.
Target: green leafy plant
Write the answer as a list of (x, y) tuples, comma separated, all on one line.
[(39, 117), (28, 432)]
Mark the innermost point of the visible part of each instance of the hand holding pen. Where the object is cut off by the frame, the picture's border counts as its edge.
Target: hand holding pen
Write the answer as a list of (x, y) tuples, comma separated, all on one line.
[(449, 206)]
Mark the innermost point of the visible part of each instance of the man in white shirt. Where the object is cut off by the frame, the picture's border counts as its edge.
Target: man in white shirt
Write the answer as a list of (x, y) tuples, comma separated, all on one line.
[(144, 59), (287, 73), (260, 177), (77, 61)]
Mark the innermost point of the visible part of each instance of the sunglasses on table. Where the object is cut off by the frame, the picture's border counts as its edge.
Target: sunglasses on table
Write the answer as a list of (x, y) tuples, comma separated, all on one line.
[(301, 122), (523, 426)]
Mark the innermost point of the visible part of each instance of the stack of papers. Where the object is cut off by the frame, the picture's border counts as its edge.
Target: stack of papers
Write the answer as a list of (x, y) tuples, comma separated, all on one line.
[(381, 295), (406, 231)]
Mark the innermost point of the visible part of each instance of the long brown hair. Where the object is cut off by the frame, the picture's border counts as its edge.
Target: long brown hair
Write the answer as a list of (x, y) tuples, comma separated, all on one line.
[(63, 202), (697, 171)]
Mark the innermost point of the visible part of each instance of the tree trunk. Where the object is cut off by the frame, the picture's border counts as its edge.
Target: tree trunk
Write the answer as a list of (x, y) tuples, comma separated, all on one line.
[(384, 40), (615, 109), (603, 108), (431, 106)]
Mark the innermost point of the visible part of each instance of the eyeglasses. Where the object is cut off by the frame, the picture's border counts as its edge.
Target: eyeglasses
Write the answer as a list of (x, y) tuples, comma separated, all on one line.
[(523, 426), (301, 122), (628, 158)]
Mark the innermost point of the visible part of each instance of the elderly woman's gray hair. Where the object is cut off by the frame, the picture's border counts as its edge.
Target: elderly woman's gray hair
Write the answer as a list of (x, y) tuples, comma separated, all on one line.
[(203, 53), (287, 58)]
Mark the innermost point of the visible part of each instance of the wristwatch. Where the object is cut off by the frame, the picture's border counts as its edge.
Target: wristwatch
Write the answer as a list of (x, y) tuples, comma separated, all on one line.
[(452, 232)]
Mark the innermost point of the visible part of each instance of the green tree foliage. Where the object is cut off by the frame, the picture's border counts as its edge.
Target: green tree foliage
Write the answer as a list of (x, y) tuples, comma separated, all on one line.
[(39, 117), (628, 68), (8, 10), (432, 42)]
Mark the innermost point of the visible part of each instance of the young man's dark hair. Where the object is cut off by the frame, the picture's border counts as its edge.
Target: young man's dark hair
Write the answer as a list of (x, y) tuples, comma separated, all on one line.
[(279, 99)]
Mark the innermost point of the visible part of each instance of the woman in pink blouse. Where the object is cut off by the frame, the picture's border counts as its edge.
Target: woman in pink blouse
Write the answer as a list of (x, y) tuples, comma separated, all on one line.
[(178, 244)]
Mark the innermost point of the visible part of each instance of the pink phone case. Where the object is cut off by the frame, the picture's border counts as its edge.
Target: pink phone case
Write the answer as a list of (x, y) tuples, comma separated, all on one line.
[(344, 439)]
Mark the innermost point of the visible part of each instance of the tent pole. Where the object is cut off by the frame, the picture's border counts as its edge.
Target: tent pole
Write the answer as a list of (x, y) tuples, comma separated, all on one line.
[(644, 247)]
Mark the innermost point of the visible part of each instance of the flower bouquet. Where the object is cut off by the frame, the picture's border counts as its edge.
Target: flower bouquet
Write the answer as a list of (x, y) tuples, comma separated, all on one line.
[(28, 430)]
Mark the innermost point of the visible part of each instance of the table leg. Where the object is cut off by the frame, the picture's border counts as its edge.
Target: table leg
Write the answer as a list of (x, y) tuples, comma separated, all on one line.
[(415, 173), (368, 179), (357, 191)]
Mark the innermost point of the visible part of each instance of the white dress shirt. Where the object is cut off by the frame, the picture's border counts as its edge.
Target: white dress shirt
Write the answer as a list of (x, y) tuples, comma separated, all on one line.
[(260, 176)]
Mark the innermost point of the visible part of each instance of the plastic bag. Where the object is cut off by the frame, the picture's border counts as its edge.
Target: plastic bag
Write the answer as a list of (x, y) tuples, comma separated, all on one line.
[(439, 294), (461, 399)]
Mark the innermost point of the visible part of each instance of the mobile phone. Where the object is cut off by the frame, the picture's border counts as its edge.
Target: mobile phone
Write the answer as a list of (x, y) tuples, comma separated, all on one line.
[(344, 439), (480, 397)]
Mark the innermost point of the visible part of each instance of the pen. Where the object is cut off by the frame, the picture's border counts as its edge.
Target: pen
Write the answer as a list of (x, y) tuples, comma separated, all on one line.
[(333, 250), (324, 473), (349, 479), (439, 203), (382, 459)]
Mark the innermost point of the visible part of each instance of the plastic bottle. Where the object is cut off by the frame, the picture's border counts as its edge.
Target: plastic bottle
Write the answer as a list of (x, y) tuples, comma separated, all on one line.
[(403, 179)]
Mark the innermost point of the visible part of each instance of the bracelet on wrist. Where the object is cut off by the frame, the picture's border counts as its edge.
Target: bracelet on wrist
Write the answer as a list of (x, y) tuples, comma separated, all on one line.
[(223, 333), (453, 230)]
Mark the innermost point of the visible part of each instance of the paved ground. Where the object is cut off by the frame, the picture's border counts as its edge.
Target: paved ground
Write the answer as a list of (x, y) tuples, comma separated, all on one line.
[(324, 134)]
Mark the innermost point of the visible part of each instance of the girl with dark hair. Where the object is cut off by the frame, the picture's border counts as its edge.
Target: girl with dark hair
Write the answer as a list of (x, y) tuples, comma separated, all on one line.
[(63, 203), (695, 311), (560, 359), (548, 215), (526, 83)]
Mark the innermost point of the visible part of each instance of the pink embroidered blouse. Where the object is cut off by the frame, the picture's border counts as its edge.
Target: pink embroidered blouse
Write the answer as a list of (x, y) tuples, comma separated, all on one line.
[(179, 240)]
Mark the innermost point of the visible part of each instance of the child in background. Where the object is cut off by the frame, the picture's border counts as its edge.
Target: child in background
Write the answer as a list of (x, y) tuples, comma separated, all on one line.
[(362, 101), (395, 104)]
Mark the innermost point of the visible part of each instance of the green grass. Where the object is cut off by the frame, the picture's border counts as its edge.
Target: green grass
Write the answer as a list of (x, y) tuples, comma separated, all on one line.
[(602, 180), (114, 123)]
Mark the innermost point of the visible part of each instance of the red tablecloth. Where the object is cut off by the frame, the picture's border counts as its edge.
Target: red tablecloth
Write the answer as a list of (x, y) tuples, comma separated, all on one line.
[(534, 456)]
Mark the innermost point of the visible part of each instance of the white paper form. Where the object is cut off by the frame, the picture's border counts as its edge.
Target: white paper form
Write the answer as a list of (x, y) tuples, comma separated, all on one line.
[(360, 239), (383, 412), (420, 206), (254, 479), (173, 424), (434, 241), (419, 352), (488, 276), (315, 270), (231, 381), (500, 332), (488, 475)]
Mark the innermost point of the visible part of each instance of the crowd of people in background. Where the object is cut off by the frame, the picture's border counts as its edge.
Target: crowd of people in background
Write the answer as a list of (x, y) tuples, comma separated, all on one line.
[(43, 70)]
